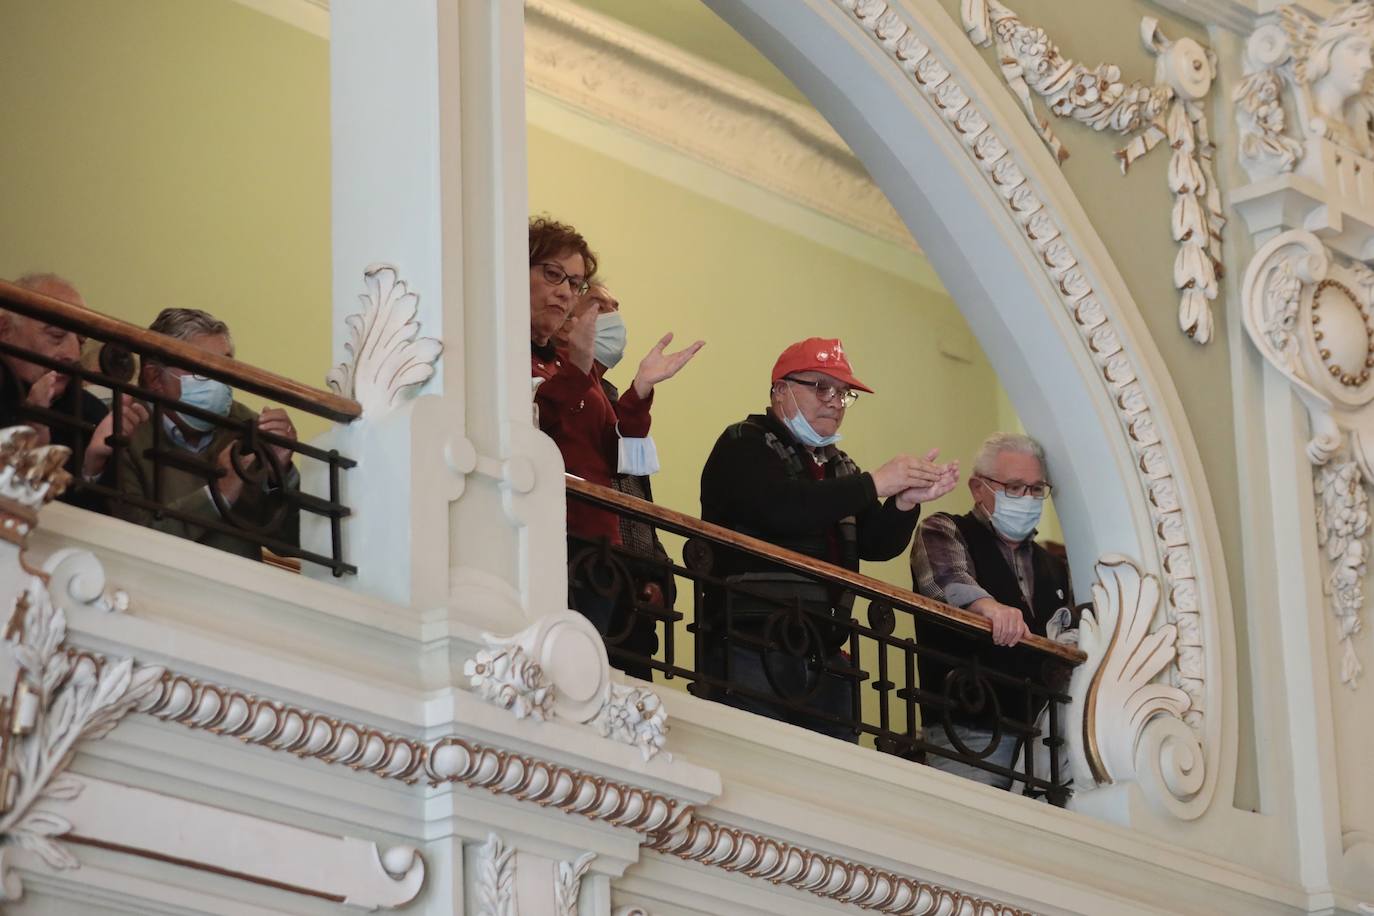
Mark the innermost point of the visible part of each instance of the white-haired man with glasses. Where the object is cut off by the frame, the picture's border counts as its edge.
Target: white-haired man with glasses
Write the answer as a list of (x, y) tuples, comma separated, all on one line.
[(778, 476), (988, 562)]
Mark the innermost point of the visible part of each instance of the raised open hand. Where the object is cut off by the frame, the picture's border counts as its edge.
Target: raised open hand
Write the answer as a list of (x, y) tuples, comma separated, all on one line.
[(659, 366)]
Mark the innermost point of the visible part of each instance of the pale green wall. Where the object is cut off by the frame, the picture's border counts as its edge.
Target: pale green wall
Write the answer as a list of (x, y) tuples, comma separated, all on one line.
[(172, 152), (678, 261)]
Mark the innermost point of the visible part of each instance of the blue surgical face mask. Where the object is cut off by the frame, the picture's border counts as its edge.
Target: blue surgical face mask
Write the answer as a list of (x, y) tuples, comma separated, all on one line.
[(609, 347), (207, 394), (806, 434), (1015, 517)]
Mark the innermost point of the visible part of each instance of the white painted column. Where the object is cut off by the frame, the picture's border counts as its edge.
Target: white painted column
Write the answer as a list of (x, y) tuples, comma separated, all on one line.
[(455, 492)]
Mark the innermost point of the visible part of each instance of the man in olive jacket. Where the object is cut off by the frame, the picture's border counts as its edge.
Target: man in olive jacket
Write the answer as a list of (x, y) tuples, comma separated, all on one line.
[(777, 476), (251, 494)]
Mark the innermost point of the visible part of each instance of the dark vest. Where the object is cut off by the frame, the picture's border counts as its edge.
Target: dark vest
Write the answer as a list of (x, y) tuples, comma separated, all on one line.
[(1049, 593)]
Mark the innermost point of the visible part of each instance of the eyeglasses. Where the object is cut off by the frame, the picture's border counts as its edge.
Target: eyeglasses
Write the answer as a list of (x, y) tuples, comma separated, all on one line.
[(555, 276), (826, 391), (1033, 490)]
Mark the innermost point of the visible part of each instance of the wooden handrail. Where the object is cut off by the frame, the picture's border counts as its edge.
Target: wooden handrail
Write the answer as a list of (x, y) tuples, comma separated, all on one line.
[(680, 523), (179, 353)]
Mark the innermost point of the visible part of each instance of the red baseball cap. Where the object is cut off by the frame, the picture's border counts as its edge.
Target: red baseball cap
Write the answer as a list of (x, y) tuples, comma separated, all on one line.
[(818, 354)]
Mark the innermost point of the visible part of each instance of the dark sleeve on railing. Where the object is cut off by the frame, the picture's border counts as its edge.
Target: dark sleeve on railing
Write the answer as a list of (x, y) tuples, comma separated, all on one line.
[(885, 530), (745, 483)]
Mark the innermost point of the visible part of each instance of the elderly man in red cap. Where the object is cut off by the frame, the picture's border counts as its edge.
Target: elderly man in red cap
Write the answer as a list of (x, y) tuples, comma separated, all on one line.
[(778, 476)]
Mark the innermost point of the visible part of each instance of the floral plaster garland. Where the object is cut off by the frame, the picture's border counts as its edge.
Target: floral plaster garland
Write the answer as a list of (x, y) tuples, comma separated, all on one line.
[(1168, 109)]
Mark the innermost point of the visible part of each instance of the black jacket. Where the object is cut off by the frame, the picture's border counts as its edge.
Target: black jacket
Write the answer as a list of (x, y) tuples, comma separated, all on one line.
[(81, 411)]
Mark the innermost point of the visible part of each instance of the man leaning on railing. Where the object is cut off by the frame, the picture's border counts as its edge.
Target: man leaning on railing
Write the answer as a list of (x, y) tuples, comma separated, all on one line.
[(168, 463), (778, 476), (988, 562), (55, 404)]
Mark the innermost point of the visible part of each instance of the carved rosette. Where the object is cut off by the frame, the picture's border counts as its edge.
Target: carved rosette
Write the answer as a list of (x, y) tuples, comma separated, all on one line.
[(1177, 556), (387, 357), (1170, 108), (558, 667), (1311, 315)]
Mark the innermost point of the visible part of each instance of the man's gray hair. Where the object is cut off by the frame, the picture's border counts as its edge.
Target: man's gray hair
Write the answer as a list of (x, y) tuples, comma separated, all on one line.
[(998, 443), (37, 280), (183, 324)]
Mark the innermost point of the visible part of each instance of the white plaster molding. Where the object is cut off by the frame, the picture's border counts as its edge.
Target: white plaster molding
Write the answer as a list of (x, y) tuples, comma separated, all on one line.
[(1311, 315), (630, 911), (666, 824), (568, 883), (767, 858), (496, 878), (558, 666), (612, 71), (1133, 726), (139, 822), (1177, 536), (31, 476), (387, 357), (51, 700), (1171, 108)]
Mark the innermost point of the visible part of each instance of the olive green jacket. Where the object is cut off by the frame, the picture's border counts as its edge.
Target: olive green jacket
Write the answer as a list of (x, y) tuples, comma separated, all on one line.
[(187, 492)]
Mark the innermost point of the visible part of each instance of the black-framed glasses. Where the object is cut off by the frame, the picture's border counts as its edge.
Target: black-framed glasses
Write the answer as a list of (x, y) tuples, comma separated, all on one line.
[(826, 391), (1014, 490), (555, 275)]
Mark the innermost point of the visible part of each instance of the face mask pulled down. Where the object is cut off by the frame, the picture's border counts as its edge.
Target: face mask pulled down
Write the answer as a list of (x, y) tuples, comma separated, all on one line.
[(609, 346), (208, 394), (806, 434)]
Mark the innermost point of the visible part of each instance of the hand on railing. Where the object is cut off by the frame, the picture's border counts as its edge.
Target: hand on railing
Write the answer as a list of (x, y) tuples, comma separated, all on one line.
[(1008, 624), (276, 421)]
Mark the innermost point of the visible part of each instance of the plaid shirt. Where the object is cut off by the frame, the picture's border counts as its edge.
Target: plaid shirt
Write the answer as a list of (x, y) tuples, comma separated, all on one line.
[(943, 570)]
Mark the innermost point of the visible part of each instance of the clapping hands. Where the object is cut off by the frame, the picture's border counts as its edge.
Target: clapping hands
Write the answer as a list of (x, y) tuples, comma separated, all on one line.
[(915, 480)]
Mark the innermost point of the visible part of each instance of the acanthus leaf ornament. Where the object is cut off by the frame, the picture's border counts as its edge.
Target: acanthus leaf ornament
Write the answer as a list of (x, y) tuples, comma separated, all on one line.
[(387, 356), (568, 883), (496, 878), (52, 700), (1311, 315), (1169, 109)]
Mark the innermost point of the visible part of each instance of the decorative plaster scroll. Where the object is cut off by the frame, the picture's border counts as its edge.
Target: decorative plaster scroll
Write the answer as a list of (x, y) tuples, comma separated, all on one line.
[(1133, 725), (386, 356), (568, 883), (1193, 668), (52, 701), (630, 911), (76, 579), (558, 666), (1311, 315), (496, 878), (1169, 109), (763, 857), (510, 679), (49, 700), (605, 68)]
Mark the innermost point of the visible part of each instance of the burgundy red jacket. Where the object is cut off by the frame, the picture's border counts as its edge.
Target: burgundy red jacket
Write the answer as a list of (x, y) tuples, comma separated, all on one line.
[(577, 414)]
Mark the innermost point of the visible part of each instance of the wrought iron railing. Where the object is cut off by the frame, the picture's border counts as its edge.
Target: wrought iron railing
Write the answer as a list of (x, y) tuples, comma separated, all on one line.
[(748, 620), (121, 343)]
